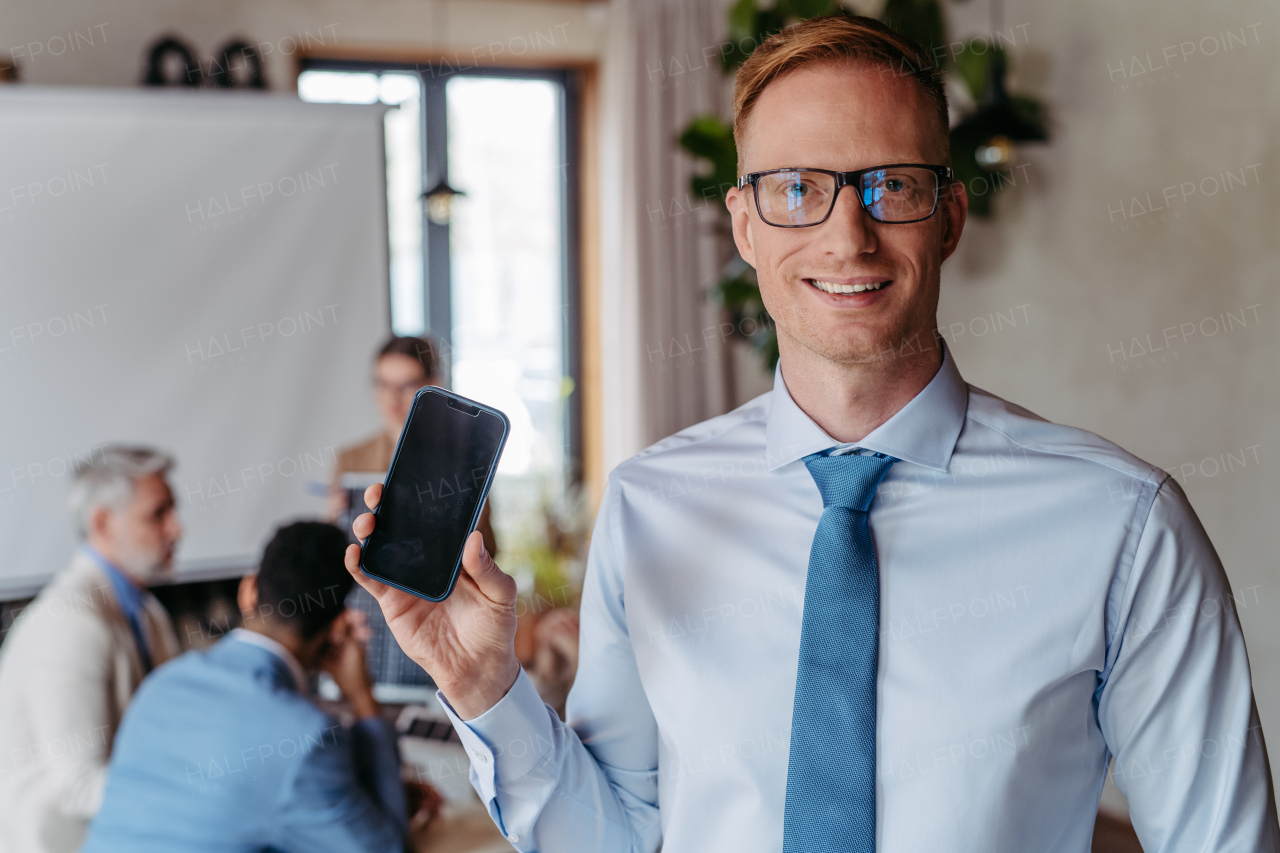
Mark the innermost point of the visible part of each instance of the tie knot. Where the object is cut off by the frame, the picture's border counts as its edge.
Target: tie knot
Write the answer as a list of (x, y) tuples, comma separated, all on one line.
[(848, 481)]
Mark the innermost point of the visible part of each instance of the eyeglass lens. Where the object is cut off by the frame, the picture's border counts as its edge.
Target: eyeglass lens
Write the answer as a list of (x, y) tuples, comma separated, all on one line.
[(900, 194), (403, 389)]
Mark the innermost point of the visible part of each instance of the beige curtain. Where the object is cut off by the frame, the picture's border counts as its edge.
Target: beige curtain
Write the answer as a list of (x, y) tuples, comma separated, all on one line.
[(666, 362)]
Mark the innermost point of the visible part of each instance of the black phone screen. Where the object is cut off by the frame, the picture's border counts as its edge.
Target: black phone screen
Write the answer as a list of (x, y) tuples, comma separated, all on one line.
[(433, 493)]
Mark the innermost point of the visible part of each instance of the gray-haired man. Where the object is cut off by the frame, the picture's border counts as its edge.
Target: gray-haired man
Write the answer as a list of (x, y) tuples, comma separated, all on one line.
[(76, 654)]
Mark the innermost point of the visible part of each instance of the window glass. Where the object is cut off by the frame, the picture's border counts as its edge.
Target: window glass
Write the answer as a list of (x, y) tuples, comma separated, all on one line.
[(506, 249), (403, 130)]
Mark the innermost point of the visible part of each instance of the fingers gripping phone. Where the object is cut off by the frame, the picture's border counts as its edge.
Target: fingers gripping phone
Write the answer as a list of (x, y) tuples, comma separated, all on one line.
[(439, 477)]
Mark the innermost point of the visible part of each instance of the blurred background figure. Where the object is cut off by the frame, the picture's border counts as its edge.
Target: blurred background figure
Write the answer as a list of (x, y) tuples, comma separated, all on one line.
[(402, 367), (77, 653), (223, 749), (551, 660)]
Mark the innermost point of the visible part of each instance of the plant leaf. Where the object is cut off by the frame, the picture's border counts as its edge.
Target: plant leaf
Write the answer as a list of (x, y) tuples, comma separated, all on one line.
[(974, 67), (748, 27), (921, 21), (806, 9), (710, 138)]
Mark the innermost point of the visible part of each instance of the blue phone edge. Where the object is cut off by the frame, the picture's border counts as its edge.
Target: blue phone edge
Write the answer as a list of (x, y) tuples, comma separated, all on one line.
[(484, 491)]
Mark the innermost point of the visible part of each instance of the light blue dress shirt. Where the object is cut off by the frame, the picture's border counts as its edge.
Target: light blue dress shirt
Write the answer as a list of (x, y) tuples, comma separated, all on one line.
[(130, 598), (1047, 602), (221, 751)]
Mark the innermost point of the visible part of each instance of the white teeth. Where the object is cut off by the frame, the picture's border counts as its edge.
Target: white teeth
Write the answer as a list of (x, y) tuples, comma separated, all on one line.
[(831, 287)]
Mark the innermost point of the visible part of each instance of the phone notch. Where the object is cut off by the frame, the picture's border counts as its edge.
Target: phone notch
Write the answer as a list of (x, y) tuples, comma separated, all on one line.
[(434, 493), (463, 407)]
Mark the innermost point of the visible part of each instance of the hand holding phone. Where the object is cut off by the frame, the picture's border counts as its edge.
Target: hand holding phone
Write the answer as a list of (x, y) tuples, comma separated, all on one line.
[(466, 642), (434, 492)]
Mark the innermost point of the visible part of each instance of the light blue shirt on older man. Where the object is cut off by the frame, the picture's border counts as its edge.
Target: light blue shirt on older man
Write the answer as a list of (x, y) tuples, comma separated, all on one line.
[(1047, 602)]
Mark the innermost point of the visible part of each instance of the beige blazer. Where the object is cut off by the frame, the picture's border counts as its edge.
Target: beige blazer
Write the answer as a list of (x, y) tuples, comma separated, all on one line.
[(68, 668)]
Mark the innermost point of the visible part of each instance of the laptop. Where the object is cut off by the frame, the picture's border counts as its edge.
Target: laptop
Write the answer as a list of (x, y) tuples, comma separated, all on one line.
[(396, 678)]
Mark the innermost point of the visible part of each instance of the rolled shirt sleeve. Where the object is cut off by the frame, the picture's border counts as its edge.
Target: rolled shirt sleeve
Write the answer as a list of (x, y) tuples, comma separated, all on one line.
[(1176, 701)]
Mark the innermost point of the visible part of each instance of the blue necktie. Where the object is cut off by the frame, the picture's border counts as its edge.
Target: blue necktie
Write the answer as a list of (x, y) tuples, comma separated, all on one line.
[(831, 776)]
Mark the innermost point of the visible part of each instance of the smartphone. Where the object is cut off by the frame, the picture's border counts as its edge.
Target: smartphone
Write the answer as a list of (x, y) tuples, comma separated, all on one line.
[(440, 474)]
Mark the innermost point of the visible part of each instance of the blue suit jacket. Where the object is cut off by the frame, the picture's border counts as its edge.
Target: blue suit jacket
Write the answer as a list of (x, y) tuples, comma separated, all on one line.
[(219, 752)]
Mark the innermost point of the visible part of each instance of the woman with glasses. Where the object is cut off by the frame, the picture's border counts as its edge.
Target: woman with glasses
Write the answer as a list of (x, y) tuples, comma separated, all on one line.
[(403, 365)]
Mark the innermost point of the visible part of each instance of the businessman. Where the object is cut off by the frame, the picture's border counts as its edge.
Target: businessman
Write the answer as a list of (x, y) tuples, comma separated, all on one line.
[(876, 608), (222, 750), (78, 652)]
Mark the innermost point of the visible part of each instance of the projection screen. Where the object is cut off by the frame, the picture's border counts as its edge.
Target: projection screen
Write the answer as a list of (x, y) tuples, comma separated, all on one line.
[(203, 272)]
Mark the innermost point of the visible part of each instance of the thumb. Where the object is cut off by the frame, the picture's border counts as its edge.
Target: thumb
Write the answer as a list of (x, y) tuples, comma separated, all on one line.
[(497, 585), (352, 561)]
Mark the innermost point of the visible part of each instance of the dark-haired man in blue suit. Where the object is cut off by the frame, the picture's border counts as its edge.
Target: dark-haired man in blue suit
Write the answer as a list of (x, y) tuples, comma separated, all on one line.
[(222, 750)]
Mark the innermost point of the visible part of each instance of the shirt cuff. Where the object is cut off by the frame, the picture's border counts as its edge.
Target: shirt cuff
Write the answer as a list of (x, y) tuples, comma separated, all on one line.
[(508, 740)]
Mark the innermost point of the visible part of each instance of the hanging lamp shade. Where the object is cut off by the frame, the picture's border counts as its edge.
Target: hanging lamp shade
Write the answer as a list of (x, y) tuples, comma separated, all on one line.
[(997, 125), (439, 200)]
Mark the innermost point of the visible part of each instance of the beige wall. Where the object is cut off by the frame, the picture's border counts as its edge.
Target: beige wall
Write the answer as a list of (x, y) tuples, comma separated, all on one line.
[(123, 29), (1094, 273)]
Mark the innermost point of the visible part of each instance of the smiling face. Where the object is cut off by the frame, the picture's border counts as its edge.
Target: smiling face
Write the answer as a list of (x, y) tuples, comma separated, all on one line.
[(847, 117)]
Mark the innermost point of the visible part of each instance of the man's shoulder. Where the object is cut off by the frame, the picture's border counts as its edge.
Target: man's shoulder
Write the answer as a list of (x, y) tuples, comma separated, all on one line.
[(705, 435), (738, 431), (82, 582), (76, 605), (1025, 431), (197, 706), (228, 675)]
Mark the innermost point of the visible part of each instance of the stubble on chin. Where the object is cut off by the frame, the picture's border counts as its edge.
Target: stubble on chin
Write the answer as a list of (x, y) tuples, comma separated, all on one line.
[(888, 343), (146, 566)]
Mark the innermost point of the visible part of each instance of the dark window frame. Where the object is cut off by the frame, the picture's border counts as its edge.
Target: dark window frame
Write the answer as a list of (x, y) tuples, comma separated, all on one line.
[(437, 281)]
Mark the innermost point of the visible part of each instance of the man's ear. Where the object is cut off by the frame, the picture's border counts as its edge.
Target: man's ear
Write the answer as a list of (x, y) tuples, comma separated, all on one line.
[(247, 596), (736, 200), (98, 524), (955, 210)]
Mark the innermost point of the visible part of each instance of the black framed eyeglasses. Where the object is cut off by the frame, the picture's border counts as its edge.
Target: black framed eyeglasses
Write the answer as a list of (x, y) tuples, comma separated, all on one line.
[(896, 194)]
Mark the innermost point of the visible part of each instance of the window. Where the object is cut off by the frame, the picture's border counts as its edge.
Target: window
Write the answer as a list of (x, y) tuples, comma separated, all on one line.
[(496, 284), (403, 132)]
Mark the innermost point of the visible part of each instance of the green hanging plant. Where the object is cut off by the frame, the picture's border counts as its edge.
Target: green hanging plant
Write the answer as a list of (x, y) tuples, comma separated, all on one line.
[(710, 139), (922, 22), (999, 118)]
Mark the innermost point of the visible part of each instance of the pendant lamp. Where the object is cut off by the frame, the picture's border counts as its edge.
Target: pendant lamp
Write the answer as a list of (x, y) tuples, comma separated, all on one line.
[(439, 201)]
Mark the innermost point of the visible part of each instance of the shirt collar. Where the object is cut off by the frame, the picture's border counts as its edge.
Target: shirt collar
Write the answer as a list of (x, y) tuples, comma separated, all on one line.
[(923, 432), (262, 641), (128, 593)]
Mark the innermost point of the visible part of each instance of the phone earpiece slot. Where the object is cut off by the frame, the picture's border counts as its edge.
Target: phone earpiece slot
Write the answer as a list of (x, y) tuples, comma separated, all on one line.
[(464, 408)]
